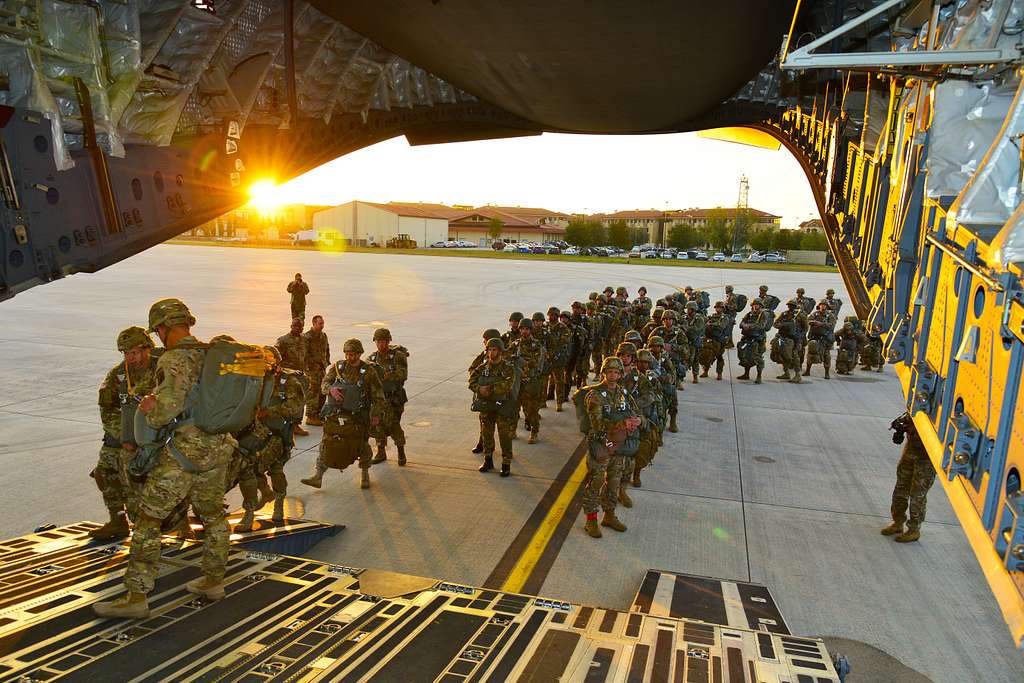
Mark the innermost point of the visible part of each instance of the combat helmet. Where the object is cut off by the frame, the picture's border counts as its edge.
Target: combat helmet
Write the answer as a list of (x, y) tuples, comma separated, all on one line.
[(169, 312), (352, 344), (382, 333), (655, 340), (133, 336), (627, 348), (719, 304), (515, 317), (612, 363), (621, 290), (728, 288), (633, 336), (491, 333), (538, 317), (495, 343), (799, 291), (645, 355), (657, 313), (830, 292), (792, 303), (757, 300), (554, 310), (670, 314), (592, 296), (691, 305)]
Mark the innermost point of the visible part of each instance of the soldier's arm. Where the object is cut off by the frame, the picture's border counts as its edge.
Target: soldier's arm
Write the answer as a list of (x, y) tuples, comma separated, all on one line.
[(474, 377), (378, 406), (110, 405), (327, 349), (329, 378), (173, 379), (401, 371), (294, 398), (291, 286), (599, 424)]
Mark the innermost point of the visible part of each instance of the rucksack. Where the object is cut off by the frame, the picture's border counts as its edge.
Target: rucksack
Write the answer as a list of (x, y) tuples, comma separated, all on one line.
[(275, 393), (741, 302), (579, 401), (230, 385), (705, 298)]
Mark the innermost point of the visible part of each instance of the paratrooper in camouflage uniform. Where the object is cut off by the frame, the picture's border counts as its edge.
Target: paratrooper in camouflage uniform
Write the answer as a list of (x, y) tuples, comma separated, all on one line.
[(318, 357), (753, 335), (820, 337), (493, 385), (393, 362)]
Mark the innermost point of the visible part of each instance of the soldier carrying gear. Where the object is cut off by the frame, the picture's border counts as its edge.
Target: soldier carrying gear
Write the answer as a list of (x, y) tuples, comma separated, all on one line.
[(293, 349), (134, 337), (318, 358), (915, 474), (820, 337), (753, 331), (833, 304), (481, 358), (786, 346), (393, 362), (355, 404), (495, 385), (716, 334), (533, 355), (514, 321)]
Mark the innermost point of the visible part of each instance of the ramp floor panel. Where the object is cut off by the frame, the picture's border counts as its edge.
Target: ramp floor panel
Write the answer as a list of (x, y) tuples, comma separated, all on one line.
[(286, 618)]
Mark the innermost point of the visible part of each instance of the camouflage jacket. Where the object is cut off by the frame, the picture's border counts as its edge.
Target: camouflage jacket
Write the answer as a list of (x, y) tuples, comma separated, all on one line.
[(500, 376), (805, 303), (534, 357), (717, 327), (558, 343), (771, 302), (119, 388), (298, 290), (833, 305), (293, 351), (645, 389), (820, 325), (649, 327), (508, 338), (731, 304), (643, 302), (754, 324), (368, 374), (798, 317), (694, 328), (318, 350), (394, 370), (607, 408), (288, 403), (579, 339), (665, 370)]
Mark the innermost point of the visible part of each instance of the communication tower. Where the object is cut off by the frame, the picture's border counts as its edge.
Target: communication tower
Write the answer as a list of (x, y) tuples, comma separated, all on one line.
[(740, 219)]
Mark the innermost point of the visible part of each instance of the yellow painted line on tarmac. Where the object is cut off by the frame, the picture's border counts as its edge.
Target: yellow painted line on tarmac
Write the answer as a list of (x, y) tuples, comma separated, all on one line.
[(542, 536)]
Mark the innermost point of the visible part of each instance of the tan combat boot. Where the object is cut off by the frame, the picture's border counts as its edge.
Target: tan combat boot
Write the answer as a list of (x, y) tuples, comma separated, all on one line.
[(758, 380), (909, 536), (611, 521), (314, 421), (382, 454), (297, 430), (364, 478), (718, 376), (826, 372), (209, 589), (316, 481), (558, 407), (533, 438), (695, 377), (278, 515), (893, 529), (672, 424), (807, 372), (796, 377), (624, 498), (636, 477), (401, 456), (117, 527), (745, 375), (705, 373), (784, 375), (245, 524), (128, 606), (266, 493), (592, 529)]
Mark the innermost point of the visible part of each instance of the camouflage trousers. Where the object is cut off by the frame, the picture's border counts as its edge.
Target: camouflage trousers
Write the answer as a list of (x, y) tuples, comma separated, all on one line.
[(846, 360), (754, 358), (558, 384), (505, 426), (272, 460), (914, 476), (166, 486), (819, 352), (314, 399), (582, 370), (871, 354), (530, 398), (391, 425), (108, 473), (597, 354), (248, 476), (784, 352), (602, 482), (299, 310), (710, 353)]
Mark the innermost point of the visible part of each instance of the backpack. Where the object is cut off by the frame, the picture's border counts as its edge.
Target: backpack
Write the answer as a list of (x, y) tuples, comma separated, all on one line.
[(579, 401), (352, 400), (741, 302), (705, 298), (274, 393), (230, 386)]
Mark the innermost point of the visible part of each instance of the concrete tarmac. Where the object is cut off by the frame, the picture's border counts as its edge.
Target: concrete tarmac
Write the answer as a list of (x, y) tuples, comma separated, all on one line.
[(781, 484)]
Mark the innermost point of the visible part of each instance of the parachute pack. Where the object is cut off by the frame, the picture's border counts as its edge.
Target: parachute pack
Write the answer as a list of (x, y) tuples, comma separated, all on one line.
[(579, 402), (741, 302)]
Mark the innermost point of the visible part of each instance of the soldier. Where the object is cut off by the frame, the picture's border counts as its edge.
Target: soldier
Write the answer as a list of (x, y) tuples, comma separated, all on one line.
[(833, 303), (514, 321), (393, 361), (786, 343), (493, 384), (124, 385), (650, 402), (170, 482), (657, 315), (665, 369), (694, 325), (805, 303), (531, 387), (871, 351), (770, 301), (298, 289), (613, 326), (622, 297), (318, 357), (481, 358), (265, 445), (848, 341), (598, 333), (753, 334), (613, 417), (914, 476), (820, 337), (355, 404), (578, 365), (540, 333), (558, 346), (626, 352), (716, 333), (643, 301), (293, 356), (732, 309)]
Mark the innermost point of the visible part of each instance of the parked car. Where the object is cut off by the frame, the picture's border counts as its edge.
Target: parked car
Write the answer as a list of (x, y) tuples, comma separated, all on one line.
[(464, 244), (771, 258), (736, 258), (523, 249), (682, 256), (668, 253), (438, 245), (509, 248), (649, 254), (634, 254), (755, 257), (719, 256), (538, 250), (571, 251), (601, 251), (701, 256)]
